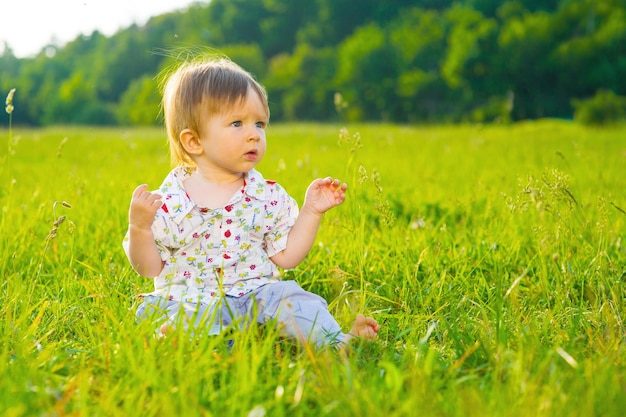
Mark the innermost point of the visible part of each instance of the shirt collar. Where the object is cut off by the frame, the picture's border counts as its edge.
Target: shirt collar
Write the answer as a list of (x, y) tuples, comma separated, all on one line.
[(178, 204), (255, 185)]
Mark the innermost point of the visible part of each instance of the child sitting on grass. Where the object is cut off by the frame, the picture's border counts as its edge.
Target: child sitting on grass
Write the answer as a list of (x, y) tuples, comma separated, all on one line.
[(215, 233)]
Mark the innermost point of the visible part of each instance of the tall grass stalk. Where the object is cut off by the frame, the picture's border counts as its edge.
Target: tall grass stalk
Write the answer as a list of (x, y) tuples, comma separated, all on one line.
[(6, 164)]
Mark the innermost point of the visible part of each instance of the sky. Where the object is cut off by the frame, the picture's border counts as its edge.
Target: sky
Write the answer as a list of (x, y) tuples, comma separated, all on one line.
[(29, 25)]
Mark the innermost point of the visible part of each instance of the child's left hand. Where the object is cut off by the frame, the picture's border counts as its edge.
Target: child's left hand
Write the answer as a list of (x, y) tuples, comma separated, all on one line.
[(324, 194)]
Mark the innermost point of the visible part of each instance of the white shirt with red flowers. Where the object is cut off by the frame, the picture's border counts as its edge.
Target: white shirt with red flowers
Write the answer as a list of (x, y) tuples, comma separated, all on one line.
[(210, 252)]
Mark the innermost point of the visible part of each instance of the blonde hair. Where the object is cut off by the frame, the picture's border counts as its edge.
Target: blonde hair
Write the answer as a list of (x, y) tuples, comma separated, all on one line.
[(200, 89)]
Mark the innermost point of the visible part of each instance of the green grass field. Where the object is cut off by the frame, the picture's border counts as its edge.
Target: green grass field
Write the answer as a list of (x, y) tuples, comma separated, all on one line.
[(493, 257)]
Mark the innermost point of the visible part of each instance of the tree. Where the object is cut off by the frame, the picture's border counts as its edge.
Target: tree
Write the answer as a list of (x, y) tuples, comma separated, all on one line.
[(250, 57), (591, 54), (524, 44), (126, 57), (399, 60), (418, 37), (301, 84), (140, 104), (236, 21), (280, 27), (366, 73), (468, 65), (605, 107)]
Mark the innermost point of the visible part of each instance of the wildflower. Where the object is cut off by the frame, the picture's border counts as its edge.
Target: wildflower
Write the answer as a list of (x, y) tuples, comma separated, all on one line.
[(9, 101)]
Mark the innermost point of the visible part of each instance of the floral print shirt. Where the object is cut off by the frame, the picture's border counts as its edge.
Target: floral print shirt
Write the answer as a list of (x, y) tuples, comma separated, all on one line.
[(207, 252)]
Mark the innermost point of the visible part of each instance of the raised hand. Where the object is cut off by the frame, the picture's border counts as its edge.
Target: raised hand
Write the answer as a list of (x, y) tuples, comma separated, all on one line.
[(324, 194), (143, 206)]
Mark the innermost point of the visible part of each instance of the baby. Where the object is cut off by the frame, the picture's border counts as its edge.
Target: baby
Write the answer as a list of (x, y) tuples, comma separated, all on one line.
[(215, 234)]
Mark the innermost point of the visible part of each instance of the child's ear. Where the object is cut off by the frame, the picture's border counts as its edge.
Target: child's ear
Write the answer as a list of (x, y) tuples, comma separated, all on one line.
[(190, 141)]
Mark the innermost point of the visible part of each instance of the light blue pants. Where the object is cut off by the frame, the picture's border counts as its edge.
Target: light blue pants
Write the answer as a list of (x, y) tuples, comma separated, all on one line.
[(300, 314)]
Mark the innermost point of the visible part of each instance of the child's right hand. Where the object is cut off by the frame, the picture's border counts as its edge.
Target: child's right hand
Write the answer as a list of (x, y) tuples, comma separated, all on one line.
[(143, 206)]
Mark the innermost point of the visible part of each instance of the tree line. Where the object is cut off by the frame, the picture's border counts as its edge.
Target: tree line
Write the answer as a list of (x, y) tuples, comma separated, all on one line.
[(357, 60)]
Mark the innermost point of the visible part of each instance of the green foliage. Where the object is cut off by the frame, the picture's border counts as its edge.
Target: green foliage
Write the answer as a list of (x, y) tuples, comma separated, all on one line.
[(395, 60), (248, 56), (140, 103), (468, 28), (603, 108), (364, 57), (493, 257), (299, 84), (497, 109), (236, 21)]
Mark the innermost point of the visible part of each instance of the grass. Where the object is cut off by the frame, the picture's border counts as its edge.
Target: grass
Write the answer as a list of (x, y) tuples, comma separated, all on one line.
[(493, 257)]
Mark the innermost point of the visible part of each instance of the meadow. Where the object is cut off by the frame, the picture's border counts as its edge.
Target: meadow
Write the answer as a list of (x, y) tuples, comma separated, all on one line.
[(493, 257)]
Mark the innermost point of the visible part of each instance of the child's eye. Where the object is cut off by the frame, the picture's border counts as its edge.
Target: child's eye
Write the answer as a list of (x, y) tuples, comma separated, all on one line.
[(260, 124), (236, 124)]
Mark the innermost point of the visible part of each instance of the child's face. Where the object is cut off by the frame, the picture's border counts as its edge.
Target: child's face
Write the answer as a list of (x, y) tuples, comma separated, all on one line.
[(233, 142)]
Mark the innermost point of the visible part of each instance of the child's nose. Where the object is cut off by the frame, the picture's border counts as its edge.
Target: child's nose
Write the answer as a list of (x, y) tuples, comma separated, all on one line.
[(253, 135)]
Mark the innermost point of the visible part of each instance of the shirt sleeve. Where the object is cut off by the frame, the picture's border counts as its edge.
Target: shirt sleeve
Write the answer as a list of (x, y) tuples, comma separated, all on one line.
[(282, 211), (161, 229)]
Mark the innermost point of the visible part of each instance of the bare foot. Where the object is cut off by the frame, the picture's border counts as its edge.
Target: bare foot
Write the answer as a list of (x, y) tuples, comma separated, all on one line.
[(165, 329), (365, 328), (164, 333)]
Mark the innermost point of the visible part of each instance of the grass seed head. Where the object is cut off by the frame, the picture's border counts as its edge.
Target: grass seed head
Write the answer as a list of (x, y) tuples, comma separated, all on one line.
[(59, 221), (9, 101), (340, 102)]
